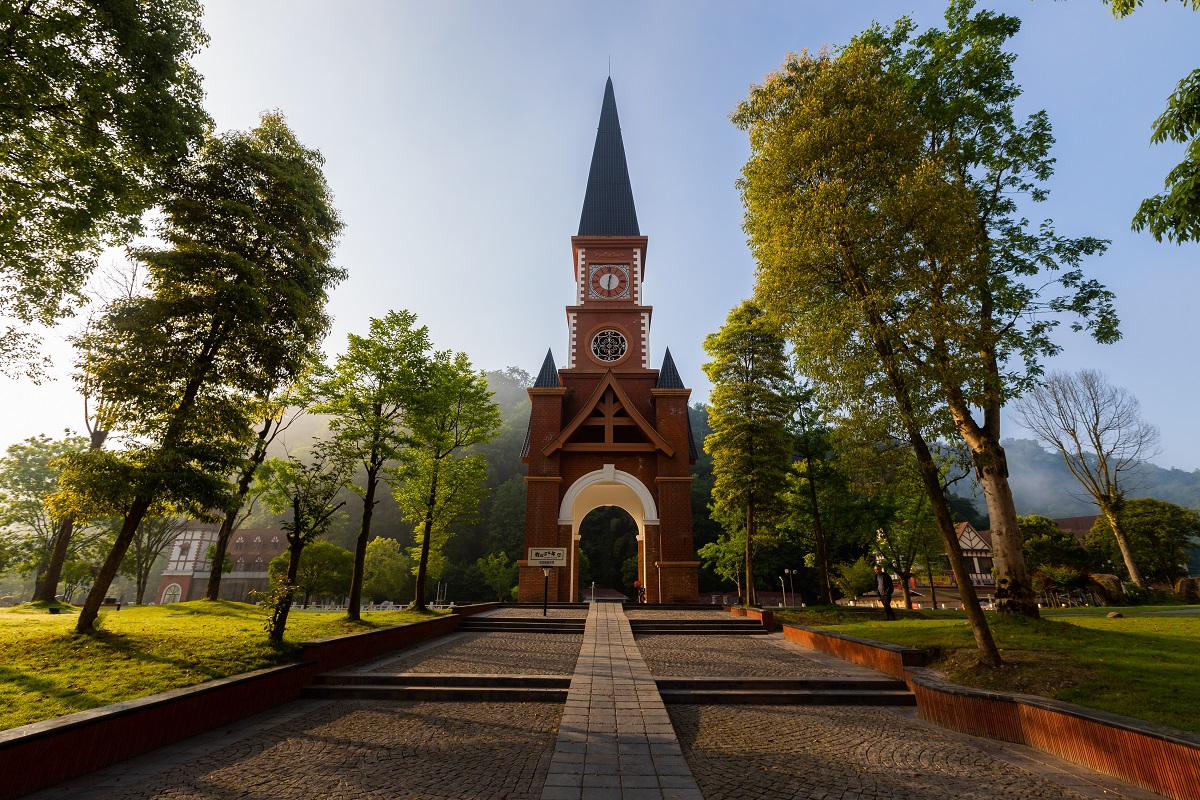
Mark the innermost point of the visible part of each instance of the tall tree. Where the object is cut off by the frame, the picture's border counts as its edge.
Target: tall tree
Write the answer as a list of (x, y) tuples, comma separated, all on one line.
[(276, 417), (900, 198), (1159, 533), (1175, 213), (366, 394), (235, 307), (749, 410), (1099, 430), (29, 474), (440, 483), (324, 570), (812, 453), (386, 571), (837, 189), (303, 490), (98, 101)]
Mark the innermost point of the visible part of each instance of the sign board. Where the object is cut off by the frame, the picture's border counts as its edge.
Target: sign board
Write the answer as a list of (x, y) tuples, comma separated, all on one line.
[(547, 557)]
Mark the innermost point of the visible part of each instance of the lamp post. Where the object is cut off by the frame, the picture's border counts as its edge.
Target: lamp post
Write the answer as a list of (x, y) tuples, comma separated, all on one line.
[(791, 573), (783, 591), (545, 589)]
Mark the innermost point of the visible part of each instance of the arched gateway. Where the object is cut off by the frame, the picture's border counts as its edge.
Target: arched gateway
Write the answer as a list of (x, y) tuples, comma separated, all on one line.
[(607, 430)]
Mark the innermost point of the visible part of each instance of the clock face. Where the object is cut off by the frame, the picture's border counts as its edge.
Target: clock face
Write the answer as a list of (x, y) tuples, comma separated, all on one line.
[(608, 281), (609, 345)]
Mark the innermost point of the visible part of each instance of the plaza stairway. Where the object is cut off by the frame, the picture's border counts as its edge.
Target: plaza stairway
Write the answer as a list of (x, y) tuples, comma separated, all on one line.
[(440, 687)]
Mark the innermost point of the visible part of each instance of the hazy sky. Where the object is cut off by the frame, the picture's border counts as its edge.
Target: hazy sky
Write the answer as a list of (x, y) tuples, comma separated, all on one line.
[(458, 135)]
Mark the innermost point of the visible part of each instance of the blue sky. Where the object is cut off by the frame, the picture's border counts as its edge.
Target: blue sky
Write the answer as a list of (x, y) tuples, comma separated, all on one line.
[(458, 135)]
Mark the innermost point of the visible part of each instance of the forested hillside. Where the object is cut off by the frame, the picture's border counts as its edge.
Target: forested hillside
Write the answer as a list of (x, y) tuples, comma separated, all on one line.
[(1042, 484)]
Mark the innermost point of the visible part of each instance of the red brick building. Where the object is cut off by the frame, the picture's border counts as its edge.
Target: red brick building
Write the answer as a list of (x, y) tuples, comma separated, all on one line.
[(250, 551), (607, 430)]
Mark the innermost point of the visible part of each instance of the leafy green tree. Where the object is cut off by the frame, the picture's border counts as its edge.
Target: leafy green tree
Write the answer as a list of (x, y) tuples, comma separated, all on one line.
[(234, 308), (1159, 533), (1047, 545), (1099, 431), (276, 417), (726, 557), (498, 573), (98, 101), (439, 482), (303, 490), (29, 474), (1174, 214), (812, 450), (749, 409), (324, 570), (855, 579), (386, 570), (366, 394)]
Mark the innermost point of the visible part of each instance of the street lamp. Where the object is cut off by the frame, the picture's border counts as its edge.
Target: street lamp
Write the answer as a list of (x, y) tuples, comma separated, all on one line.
[(791, 573), (783, 590)]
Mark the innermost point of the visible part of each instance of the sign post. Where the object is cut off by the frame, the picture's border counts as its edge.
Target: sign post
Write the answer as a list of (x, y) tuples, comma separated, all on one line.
[(546, 558)]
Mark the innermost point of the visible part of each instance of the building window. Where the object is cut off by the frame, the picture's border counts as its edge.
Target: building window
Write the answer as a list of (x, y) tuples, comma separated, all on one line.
[(241, 565), (184, 549), (172, 593), (237, 545), (274, 540)]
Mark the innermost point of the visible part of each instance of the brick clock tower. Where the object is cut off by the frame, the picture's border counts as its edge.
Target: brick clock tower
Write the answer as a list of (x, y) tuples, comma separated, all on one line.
[(607, 430)]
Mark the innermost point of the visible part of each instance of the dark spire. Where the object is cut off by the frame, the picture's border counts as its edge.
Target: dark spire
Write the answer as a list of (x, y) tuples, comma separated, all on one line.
[(608, 203), (548, 377), (668, 376)]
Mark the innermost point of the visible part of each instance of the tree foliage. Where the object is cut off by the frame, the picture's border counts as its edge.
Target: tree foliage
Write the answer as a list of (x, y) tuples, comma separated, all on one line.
[(498, 573), (29, 474), (324, 570), (1175, 213), (98, 102), (233, 310), (750, 444), (440, 481), (1160, 535), (366, 394), (386, 571)]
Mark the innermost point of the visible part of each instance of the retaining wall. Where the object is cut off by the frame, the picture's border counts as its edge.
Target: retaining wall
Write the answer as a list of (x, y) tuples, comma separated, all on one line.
[(1155, 757), (35, 756)]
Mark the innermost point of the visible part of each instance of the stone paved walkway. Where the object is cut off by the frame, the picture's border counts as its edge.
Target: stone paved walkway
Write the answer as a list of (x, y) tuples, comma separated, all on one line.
[(616, 739)]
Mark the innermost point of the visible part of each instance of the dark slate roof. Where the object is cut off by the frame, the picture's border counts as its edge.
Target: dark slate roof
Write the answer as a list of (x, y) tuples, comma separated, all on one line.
[(608, 203), (668, 376), (548, 377)]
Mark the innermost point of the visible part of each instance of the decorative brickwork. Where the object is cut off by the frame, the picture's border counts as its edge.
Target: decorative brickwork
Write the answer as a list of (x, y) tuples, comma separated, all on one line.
[(608, 435)]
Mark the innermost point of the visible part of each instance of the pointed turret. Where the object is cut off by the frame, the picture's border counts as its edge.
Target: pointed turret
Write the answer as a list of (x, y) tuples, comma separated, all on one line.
[(668, 376), (608, 203), (548, 377)]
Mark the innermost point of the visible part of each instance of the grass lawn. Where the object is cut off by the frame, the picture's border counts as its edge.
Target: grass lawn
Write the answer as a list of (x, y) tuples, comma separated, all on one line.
[(1144, 665), (47, 671)]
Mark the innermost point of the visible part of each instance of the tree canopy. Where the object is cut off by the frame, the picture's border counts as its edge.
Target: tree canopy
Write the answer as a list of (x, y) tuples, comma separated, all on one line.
[(99, 101)]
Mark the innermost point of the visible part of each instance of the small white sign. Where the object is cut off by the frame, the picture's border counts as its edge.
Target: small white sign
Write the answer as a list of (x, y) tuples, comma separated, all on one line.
[(547, 557)]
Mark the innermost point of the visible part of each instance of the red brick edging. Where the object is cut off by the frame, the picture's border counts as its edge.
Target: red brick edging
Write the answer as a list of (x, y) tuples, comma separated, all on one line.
[(42, 754), (1162, 759), (767, 618)]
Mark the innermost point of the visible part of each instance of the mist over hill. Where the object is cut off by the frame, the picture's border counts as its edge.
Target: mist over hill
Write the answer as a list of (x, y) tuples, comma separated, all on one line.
[(1042, 484)]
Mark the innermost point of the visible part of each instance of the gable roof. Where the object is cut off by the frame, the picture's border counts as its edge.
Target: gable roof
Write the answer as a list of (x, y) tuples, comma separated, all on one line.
[(608, 202), (636, 420)]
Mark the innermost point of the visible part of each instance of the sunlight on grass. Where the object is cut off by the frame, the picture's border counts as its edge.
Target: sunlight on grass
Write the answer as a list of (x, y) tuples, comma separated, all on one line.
[(47, 671), (1142, 665)]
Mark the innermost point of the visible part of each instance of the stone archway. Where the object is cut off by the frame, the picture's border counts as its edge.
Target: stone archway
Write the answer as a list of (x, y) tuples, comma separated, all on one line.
[(607, 486)]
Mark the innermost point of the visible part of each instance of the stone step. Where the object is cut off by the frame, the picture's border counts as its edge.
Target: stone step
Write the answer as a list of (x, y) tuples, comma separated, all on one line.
[(701, 631), (437, 693), (782, 684), (788, 697), (724, 622), (443, 679), (481, 626)]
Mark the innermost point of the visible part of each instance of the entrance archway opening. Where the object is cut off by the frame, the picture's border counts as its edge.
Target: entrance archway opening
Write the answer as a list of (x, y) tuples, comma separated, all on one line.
[(627, 502), (608, 551)]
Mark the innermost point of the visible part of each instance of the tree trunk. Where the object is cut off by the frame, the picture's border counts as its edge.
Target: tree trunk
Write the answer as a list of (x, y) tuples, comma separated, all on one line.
[(222, 544), (751, 595), (91, 606), (824, 588), (423, 564), (279, 615), (354, 605), (48, 582), (1014, 590), (906, 589), (1110, 514)]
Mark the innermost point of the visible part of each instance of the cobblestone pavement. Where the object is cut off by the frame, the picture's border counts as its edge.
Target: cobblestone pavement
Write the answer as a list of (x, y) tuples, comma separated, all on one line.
[(793, 752), (733, 656), (352, 749), (493, 653), (648, 612), (560, 613)]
